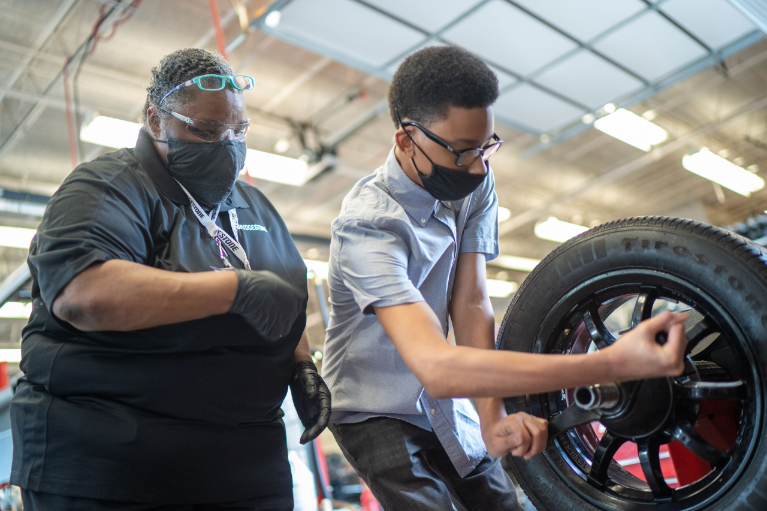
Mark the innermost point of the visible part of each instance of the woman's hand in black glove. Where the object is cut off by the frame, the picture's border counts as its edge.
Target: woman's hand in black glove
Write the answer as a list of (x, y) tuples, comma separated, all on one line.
[(311, 398), (269, 304)]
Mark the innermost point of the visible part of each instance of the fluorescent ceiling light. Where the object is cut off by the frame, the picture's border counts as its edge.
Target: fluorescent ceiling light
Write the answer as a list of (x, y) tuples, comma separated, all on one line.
[(557, 230), (16, 237), (16, 310), (273, 19), (503, 214), (320, 268), (22, 207), (515, 262), (501, 288), (116, 133), (12, 355), (280, 169), (632, 129), (111, 132), (715, 168)]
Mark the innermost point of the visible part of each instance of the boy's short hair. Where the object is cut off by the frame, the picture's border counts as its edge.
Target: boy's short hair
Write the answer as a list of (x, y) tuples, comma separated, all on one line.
[(431, 80)]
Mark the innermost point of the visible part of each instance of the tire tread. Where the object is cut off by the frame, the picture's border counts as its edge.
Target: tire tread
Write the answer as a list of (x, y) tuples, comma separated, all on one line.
[(749, 253)]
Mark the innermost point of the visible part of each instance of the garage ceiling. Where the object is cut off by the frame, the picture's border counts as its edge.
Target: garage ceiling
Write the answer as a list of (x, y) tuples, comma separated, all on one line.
[(698, 68), (559, 59)]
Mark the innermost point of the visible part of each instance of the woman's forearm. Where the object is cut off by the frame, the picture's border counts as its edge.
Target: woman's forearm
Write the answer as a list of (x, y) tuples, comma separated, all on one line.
[(121, 295), (303, 351)]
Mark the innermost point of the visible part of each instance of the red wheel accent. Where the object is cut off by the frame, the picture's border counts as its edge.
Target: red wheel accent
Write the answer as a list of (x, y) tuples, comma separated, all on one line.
[(688, 467), (718, 422)]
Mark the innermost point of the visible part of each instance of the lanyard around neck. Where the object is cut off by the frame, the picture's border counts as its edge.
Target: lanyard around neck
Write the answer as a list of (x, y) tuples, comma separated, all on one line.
[(217, 233)]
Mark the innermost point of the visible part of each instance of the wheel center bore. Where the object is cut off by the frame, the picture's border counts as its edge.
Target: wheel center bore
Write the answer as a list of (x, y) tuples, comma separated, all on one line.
[(633, 409)]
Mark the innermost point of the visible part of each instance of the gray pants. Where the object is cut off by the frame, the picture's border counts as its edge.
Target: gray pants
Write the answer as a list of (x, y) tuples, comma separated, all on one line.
[(407, 469), (38, 501)]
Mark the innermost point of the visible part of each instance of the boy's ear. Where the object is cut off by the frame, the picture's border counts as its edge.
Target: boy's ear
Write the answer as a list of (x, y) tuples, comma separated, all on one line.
[(404, 143)]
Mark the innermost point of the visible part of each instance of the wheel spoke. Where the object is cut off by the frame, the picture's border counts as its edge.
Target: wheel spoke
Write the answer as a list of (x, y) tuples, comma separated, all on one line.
[(643, 306), (720, 390), (649, 457), (697, 333), (608, 446), (573, 416), (687, 436), (597, 329)]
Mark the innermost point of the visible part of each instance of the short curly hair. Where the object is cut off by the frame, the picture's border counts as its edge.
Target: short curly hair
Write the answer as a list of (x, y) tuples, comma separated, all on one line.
[(178, 67), (431, 80)]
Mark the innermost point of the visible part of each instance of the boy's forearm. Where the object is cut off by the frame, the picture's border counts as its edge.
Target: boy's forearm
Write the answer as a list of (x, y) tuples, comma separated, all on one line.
[(461, 371)]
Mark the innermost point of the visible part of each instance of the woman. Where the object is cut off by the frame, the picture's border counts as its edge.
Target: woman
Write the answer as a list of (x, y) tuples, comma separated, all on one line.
[(169, 308)]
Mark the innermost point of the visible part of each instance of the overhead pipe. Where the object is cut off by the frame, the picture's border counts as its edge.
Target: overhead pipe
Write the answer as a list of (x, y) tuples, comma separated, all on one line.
[(220, 40), (37, 109), (13, 282), (258, 21), (755, 10)]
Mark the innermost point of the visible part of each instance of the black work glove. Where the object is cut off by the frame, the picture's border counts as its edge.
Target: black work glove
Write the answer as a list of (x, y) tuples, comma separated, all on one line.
[(311, 398), (268, 303)]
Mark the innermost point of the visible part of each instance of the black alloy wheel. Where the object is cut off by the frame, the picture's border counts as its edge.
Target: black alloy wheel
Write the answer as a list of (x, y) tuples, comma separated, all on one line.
[(709, 421)]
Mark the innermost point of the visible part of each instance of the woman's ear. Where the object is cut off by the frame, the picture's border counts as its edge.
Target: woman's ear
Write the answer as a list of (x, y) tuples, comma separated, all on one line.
[(153, 121)]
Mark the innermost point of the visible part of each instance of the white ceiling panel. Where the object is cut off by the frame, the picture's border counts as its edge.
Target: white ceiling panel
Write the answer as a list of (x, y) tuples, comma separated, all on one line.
[(391, 69), (505, 35), (651, 46), (583, 19), (588, 79), (346, 28), (504, 79), (430, 15), (533, 108), (715, 22)]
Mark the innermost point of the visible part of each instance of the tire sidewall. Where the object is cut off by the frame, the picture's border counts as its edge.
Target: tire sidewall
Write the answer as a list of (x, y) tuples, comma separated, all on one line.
[(722, 265)]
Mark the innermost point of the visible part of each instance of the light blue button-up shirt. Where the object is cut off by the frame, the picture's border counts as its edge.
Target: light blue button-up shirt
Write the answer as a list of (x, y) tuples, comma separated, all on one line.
[(392, 244)]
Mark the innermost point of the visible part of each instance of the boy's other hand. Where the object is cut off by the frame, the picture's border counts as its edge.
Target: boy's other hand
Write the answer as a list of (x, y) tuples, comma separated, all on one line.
[(520, 434)]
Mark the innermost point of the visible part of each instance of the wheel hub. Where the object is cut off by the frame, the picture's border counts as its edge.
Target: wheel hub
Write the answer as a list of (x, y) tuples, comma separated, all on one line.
[(633, 409)]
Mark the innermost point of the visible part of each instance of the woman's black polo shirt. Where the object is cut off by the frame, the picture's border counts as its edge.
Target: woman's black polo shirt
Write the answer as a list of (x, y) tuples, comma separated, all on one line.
[(183, 413)]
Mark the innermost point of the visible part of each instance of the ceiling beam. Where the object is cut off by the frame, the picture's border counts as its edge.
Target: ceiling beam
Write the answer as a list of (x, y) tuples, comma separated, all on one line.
[(39, 43), (624, 169)]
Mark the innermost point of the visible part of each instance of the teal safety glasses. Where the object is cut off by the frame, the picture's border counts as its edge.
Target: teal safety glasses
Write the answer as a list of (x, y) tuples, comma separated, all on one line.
[(215, 82)]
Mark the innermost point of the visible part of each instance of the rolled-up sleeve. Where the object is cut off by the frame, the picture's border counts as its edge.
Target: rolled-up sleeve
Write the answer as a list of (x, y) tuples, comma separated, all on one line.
[(89, 220), (481, 231), (373, 264)]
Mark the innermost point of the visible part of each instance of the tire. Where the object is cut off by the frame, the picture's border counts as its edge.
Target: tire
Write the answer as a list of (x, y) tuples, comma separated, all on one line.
[(722, 277)]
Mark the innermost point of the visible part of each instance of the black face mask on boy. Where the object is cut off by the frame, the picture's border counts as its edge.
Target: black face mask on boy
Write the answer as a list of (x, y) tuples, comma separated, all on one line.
[(444, 183)]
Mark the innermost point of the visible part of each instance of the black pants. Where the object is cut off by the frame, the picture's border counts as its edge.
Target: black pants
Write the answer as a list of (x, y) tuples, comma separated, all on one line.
[(38, 501), (407, 469)]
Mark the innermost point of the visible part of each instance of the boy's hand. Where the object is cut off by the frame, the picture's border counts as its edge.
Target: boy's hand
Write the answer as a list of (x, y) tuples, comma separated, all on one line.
[(637, 355), (520, 434)]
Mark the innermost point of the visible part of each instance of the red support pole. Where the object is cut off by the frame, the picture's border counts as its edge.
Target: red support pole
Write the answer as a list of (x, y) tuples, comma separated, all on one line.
[(217, 27), (4, 380), (72, 129)]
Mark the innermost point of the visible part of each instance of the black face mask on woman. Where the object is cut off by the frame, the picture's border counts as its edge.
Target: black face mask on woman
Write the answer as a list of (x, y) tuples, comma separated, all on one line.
[(208, 170)]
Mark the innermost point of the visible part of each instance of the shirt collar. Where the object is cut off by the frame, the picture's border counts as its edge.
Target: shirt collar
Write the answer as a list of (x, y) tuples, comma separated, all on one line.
[(147, 155), (417, 202)]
